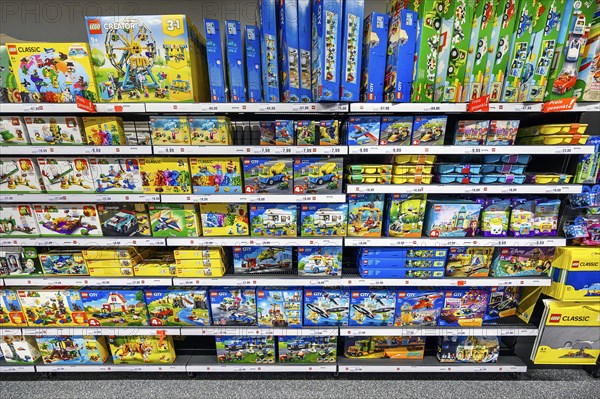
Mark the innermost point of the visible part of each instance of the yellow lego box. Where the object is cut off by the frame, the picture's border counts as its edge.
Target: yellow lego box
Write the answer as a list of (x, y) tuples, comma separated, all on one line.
[(143, 349), (199, 253), (224, 220), (204, 272), (114, 253), (129, 262), (165, 175), (575, 274), (199, 263), (153, 269), (111, 271), (216, 175), (577, 258), (170, 130), (210, 130), (104, 130)]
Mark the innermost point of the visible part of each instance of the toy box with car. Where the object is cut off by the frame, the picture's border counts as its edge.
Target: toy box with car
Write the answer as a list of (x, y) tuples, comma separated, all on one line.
[(384, 347), (323, 220), (62, 220), (66, 175), (417, 307), (396, 130), (233, 306), (365, 215), (306, 349), (402, 38), (306, 133), (352, 35), (11, 313), (372, 307), (374, 50), (114, 307), (327, 21), (471, 132), (266, 17), (170, 130), (279, 220), (464, 307), (59, 262), (224, 219), (18, 221), (210, 130), (174, 220), (13, 131), (469, 261), (214, 55), (175, 306), (277, 307), (234, 61), (55, 130), (52, 307), (503, 302), (318, 175), (364, 130), (87, 349), (268, 175), (104, 130), (216, 175), (329, 132), (19, 262), (502, 132), (116, 175), (468, 349), (253, 74), (451, 218), (326, 307), (142, 349), (165, 175), (258, 349), (124, 220), (19, 349), (20, 176), (289, 58), (320, 261), (252, 260), (522, 261), (429, 130)]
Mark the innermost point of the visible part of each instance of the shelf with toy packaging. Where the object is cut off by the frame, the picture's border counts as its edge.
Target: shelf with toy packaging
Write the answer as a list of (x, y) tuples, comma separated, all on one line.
[(456, 242), (38, 108), (539, 281), (107, 331), (71, 150), (48, 281), (16, 368), (473, 150), (429, 364), (250, 150), (254, 198), (179, 365), (79, 198), (83, 241), (255, 241), (271, 108), (134, 108), (259, 280), (199, 364), (463, 189), (407, 107), (258, 331)]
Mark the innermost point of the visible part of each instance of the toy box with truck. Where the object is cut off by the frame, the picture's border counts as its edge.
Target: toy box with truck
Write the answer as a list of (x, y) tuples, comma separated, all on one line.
[(278, 307), (11, 313), (142, 349), (165, 175), (268, 175), (258, 349), (522, 261), (320, 261), (114, 307), (327, 21), (374, 49), (87, 349), (306, 349), (210, 130), (289, 60), (326, 307), (468, 349), (305, 49), (224, 219), (124, 220), (49, 307), (63, 220), (253, 260), (18, 220), (216, 64), (116, 175), (318, 175), (253, 73), (19, 349), (351, 39), (66, 175), (396, 130), (233, 306), (372, 307), (59, 262), (503, 302), (401, 47), (20, 176), (384, 347), (364, 130), (170, 130), (234, 58), (175, 306), (323, 220), (266, 20), (429, 130), (416, 307), (365, 215), (216, 175), (174, 220), (13, 131), (464, 307), (275, 220)]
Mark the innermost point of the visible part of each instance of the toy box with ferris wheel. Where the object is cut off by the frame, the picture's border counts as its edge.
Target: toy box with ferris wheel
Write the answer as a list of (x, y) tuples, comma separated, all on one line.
[(147, 58)]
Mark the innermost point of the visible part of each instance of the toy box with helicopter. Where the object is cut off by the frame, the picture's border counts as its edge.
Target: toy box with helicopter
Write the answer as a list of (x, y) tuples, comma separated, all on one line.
[(418, 307)]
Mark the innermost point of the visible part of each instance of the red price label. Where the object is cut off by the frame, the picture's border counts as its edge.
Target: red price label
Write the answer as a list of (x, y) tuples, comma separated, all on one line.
[(564, 104), (85, 104), (480, 104)]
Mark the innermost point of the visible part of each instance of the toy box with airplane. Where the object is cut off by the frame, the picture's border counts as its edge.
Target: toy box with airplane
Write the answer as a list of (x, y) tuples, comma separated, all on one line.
[(326, 307), (327, 21), (469, 261), (253, 73), (116, 175), (320, 261), (55, 130), (364, 130), (396, 130), (253, 260), (268, 175), (224, 219), (57, 262), (429, 130), (365, 215), (11, 313), (405, 214), (234, 61), (418, 308), (329, 132), (66, 175), (279, 220), (277, 307), (266, 17), (20, 176), (142, 349), (402, 38), (258, 349), (522, 261), (289, 58), (63, 220), (50, 307), (306, 349), (174, 220), (318, 175), (384, 347), (352, 35), (19, 349), (233, 306), (19, 262), (323, 220), (170, 130), (165, 175), (464, 307), (73, 349), (216, 175), (372, 307), (210, 130), (468, 349), (18, 221), (374, 49), (503, 302), (13, 131), (114, 307), (124, 220), (175, 306)]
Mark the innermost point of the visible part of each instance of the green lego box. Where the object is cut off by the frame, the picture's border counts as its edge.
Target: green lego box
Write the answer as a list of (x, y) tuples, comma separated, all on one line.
[(173, 220), (587, 87)]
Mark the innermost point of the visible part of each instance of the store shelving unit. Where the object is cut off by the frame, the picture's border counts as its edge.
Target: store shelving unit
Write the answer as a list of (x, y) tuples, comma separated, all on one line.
[(456, 242), (82, 198), (255, 241), (29, 150), (15, 368), (429, 364), (254, 198), (48, 281), (84, 242), (209, 364), (471, 150), (242, 150), (179, 365), (463, 189)]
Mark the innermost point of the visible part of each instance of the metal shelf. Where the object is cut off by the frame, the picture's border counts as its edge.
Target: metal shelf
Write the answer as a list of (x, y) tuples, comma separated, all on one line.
[(486, 331), (121, 107), (256, 241), (48, 281), (429, 364), (254, 198), (407, 107), (83, 241), (258, 280), (255, 331), (542, 281), (472, 150), (271, 108), (72, 150), (456, 242), (210, 364), (85, 330), (15, 368), (47, 108), (250, 150), (179, 365), (463, 189), (82, 198)]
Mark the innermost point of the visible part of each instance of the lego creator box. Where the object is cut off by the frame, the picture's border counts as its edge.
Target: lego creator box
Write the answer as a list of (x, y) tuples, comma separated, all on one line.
[(87, 349), (287, 32), (167, 66), (55, 130), (418, 308), (306, 349), (365, 215), (52, 307), (364, 130), (170, 130), (59, 262), (323, 220), (266, 21), (320, 261), (305, 48), (326, 307), (178, 307), (402, 37), (115, 307), (318, 175), (327, 21), (76, 220), (429, 130), (142, 349), (235, 61), (104, 130), (372, 307), (279, 307), (53, 72), (210, 130), (20, 176), (214, 55), (125, 220), (239, 349), (174, 220), (468, 349), (253, 73), (19, 262), (19, 349), (502, 132), (116, 175), (11, 313), (352, 35), (503, 302), (306, 133), (216, 175), (13, 131), (384, 347), (66, 175), (165, 175), (279, 220), (374, 47), (451, 219), (523, 261), (396, 130), (329, 132), (587, 87), (469, 261), (233, 306), (405, 214), (253, 260), (464, 307), (224, 219), (471, 132), (18, 221)]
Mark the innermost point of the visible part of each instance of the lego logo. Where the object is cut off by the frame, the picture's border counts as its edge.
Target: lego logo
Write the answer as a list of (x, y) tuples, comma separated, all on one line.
[(401, 294), (575, 264), (308, 293), (555, 318), (438, 208), (355, 294), (12, 50), (148, 294), (94, 26), (84, 294), (260, 294), (214, 294)]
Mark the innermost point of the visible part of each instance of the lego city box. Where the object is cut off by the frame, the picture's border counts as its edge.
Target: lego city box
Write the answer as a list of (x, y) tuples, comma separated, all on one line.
[(11, 313), (210, 130), (125, 220), (320, 261), (306, 349), (329, 132), (114, 307), (429, 130), (278, 307), (174, 220), (239, 349), (289, 58), (374, 49), (165, 175), (60, 262), (327, 21), (53, 307), (234, 61), (365, 215), (216, 175), (177, 307), (224, 220), (13, 131), (261, 259), (396, 130), (364, 130), (464, 307), (284, 132), (214, 53), (116, 175), (53, 72), (266, 17), (451, 218), (66, 175), (142, 349), (268, 175), (318, 175), (170, 130), (61, 220), (328, 220), (305, 48), (233, 306), (253, 72), (279, 220), (468, 349), (19, 262), (415, 307), (19, 349), (147, 58), (86, 349), (402, 36), (351, 39), (385, 347), (18, 221), (326, 307), (405, 215), (372, 307), (522, 261)]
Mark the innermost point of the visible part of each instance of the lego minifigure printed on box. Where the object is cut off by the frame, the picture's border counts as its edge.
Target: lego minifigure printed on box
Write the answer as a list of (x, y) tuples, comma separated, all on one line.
[(19, 262), (87, 349), (167, 130), (418, 308), (20, 176), (523, 261), (429, 130), (165, 175), (503, 302), (278, 307), (279, 220), (142, 349), (405, 214), (320, 261), (364, 130), (177, 306), (13, 131), (116, 175), (268, 175), (326, 307), (261, 259), (224, 219), (53, 307), (451, 218), (114, 307), (384, 347), (239, 349), (55, 130), (468, 349), (57, 262), (374, 49), (66, 175), (323, 220), (216, 175), (11, 313), (318, 175), (365, 215), (174, 220), (68, 220), (372, 307), (19, 349), (18, 221), (210, 130), (233, 306), (306, 349), (464, 307), (396, 130)]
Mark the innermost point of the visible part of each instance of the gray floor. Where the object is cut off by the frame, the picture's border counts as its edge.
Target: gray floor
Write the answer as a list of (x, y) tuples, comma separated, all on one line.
[(543, 384)]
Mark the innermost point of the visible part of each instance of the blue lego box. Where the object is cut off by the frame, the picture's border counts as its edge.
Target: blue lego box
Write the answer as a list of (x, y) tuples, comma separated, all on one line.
[(307, 349), (364, 130), (464, 307), (306, 133), (503, 302), (235, 62), (405, 253), (267, 133), (214, 57), (114, 307), (326, 307), (258, 349), (268, 175), (326, 32), (177, 306), (396, 130), (273, 220), (451, 218), (320, 261), (329, 132), (429, 130), (323, 220), (261, 259), (232, 306), (266, 20), (400, 272), (289, 69), (390, 263), (372, 307), (318, 175), (352, 36), (402, 40), (418, 308), (284, 132), (305, 48), (374, 50), (365, 215), (253, 74), (279, 307)]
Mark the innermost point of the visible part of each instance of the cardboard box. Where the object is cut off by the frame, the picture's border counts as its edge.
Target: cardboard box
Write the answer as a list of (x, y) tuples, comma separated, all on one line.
[(587, 87), (273, 220), (18, 221), (429, 130), (104, 130), (224, 219), (116, 175), (418, 308), (55, 130), (451, 218), (210, 130), (155, 349), (523, 261), (254, 260), (126, 220), (66, 175), (405, 214), (9, 92), (305, 49), (266, 20), (576, 274), (352, 35), (19, 262), (320, 261), (170, 130), (374, 49), (114, 307), (253, 72), (279, 307), (401, 47), (235, 61), (20, 176), (364, 130), (233, 306), (13, 131), (165, 175), (329, 132), (326, 307), (372, 307), (327, 23), (365, 215), (68, 220), (87, 349), (289, 59), (468, 349), (11, 313), (318, 175), (53, 307), (174, 220), (395, 348), (284, 132), (323, 220), (214, 53), (178, 307), (253, 350), (216, 175), (58, 262), (469, 262), (464, 307), (19, 349), (306, 349)]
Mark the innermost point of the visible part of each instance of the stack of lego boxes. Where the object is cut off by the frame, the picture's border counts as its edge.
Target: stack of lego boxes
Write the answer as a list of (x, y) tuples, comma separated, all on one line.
[(369, 174), (402, 263), (158, 264), (200, 262), (412, 169), (575, 274), (113, 262)]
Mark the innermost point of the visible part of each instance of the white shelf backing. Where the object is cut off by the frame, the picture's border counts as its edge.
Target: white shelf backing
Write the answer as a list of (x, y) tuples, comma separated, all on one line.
[(477, 150), (429, 364), (71, 150), (449, 282), (256, 241), (254, 198), (456, 242), (82, 198), (116, 331), (16, 368), (259, 280), (84, 241), (463, 188), (179, 365), (47, 281), (199, 364), (407, 107), (256, 331), (250, 150), (274, 108), (486, 331)]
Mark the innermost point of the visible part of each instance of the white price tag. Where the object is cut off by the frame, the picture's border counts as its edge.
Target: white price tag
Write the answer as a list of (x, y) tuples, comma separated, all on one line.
[(42, 150)]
